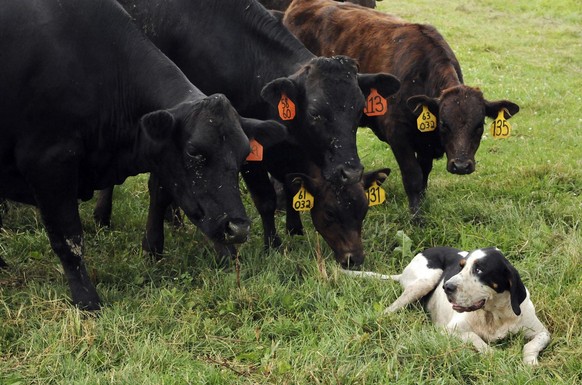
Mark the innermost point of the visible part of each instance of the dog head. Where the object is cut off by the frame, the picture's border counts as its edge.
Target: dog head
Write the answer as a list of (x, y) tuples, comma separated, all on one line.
[(485, 275)]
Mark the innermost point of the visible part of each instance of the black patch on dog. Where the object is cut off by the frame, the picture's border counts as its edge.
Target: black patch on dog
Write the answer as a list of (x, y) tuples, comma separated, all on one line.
[(495, 268)]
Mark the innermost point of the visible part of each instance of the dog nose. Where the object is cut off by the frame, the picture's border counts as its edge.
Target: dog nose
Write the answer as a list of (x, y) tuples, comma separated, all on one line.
[(449, 288)]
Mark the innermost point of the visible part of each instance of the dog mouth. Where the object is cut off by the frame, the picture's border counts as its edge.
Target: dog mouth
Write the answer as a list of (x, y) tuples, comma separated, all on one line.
[(476, 306)]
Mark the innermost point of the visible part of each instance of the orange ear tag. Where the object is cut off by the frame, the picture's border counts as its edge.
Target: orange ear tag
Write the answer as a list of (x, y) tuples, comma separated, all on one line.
[(500, 127), (286, 108), (426, 121), (375, 194), (376, 104), (256, 154), (303, 200)]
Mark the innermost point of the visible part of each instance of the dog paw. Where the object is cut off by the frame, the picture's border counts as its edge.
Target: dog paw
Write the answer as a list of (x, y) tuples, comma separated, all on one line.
[(530, 360)]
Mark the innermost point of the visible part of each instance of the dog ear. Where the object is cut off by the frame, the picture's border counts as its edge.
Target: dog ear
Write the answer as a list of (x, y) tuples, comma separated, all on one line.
[(517, 290)]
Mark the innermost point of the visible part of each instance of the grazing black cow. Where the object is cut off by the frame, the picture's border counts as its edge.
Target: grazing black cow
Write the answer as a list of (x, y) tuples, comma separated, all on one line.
[(432, 85), (239, 48), (282, 5), (87, 101)]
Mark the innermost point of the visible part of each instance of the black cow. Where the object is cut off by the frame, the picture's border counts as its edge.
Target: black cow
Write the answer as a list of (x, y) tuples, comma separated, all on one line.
[(431, 81), (281, 5), (88, 101), (240, 49)]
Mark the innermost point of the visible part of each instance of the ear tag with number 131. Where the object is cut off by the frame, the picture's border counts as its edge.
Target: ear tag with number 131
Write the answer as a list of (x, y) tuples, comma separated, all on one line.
[(426, 121), (303, 200), (500, 127), (375, 194)]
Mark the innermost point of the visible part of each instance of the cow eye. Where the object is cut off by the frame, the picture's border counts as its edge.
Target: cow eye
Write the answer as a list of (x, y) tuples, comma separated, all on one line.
[(478, 271)]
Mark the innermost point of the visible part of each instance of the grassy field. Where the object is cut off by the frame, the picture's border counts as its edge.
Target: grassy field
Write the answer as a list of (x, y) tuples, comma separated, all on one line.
[(183, 321)]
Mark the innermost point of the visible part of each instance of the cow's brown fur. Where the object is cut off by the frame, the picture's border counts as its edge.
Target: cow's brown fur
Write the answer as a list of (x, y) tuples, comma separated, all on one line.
[(429, 73)]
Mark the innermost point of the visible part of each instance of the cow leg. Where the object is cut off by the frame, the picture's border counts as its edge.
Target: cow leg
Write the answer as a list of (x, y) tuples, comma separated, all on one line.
[(293, 219), (412, 176), (103, 207), (426, 167), (160, 199), (57, 203), (265, 199)]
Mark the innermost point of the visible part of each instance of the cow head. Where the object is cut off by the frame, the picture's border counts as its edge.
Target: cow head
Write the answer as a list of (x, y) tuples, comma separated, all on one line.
[(328, 97), (197, 149), (338, 212), (461, 112)]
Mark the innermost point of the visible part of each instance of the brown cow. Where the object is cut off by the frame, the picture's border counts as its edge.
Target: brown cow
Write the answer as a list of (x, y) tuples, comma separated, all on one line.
[(430, 75)]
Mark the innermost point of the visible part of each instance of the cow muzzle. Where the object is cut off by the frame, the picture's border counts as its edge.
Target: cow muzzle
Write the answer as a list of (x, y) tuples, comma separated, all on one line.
[(348, 175), (461, 166), (236, 231), (350, 260)]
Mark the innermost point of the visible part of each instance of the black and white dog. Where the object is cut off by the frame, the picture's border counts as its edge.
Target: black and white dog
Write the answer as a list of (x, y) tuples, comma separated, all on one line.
[(475, 295)]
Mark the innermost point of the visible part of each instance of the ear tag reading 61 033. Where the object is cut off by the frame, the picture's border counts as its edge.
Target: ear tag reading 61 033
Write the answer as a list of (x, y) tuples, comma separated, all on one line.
[(500, 127), (375, 194), (286, 108), (426, 121), (303, 200), (256, 154), (376, 104)]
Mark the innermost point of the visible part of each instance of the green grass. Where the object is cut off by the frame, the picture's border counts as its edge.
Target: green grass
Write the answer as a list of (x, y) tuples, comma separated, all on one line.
[(183, 321)]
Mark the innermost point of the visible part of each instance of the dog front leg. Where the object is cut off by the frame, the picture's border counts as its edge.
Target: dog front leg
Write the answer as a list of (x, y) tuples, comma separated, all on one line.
[(532, 349)]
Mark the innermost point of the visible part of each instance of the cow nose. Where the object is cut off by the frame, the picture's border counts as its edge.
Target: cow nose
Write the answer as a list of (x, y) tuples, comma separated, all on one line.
[(350, 174), (449, 288), (351, 260), (236, 231), (461, 166)]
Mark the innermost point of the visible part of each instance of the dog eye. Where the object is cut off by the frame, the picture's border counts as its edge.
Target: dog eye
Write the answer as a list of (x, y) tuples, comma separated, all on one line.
[(478, 271)]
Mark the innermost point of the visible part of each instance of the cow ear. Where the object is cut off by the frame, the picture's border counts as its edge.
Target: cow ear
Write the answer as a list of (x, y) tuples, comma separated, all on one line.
[(273, 90), (493, 108), (294, 181), (517, 290), (416, 102), (158, 125), (266, 132), (378, 176), (386, 84)]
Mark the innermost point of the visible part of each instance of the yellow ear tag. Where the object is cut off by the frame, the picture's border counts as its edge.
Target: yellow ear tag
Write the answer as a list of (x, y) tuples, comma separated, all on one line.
[(303, 200), (426, 121), (500, 127), (256, 154), (375, 194)]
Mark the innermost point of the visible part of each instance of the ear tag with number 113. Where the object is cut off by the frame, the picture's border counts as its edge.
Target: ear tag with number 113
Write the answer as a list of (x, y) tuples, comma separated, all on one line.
[(303, 200), (426, 121), (376, 104), (500, 127), (375, 194)]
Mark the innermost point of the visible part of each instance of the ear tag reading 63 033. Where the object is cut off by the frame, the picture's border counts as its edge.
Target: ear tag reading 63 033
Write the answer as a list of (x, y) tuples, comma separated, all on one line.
[(303, 200), (500, 127), (376, 104), (256, 154), (286, 108), (426, 121), (375, 194)]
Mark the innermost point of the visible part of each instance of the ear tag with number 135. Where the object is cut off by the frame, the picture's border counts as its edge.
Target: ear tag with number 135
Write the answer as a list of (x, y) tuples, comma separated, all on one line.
[(375, 194), (500, 127), (426, 121), (303, 200)]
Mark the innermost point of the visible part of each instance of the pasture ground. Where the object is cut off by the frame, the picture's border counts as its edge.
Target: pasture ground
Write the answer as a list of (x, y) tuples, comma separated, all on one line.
[(295, 319)]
